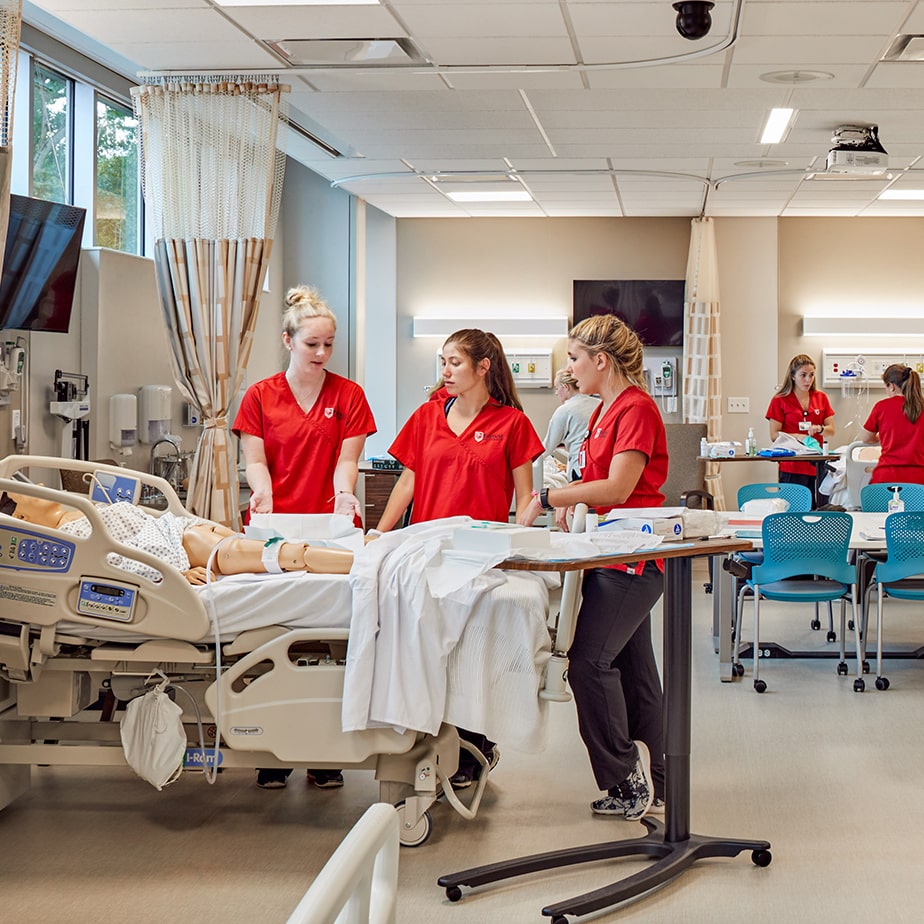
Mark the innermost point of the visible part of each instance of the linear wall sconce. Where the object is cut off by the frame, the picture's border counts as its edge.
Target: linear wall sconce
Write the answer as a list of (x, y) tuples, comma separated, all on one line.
[(813, 326), (502, 327)]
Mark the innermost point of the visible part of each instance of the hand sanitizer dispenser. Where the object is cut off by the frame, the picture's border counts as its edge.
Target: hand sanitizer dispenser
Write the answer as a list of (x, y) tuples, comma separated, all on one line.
[(896, 504), (154, 412), (123, 423)]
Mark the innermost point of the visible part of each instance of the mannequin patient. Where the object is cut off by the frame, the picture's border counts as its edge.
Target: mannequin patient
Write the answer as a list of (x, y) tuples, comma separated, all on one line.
[(183, 542)]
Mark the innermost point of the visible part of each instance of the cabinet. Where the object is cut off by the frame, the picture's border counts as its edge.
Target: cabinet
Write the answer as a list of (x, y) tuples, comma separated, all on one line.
[(377, 487)]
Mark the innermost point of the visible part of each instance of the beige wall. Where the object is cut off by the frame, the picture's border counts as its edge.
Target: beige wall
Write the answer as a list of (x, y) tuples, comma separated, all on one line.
[(482, 268)]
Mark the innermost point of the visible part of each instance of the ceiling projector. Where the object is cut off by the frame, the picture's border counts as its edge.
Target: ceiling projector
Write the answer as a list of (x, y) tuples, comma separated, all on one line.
[(857, 151)]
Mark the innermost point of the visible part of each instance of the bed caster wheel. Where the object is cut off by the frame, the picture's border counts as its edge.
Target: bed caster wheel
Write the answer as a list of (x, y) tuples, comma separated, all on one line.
[(866, 667), (453, 893), (859, 685), (842, 669), (760, 686), (850, 624), (832, 636), (737, 670), (761, 857), (413, 835), (707, 588), (816, 624), (559, 919), (882, 683)]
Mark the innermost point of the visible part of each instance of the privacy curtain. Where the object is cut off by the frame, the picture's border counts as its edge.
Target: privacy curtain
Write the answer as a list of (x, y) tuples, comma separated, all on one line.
[(10, 26), (702, 383), (212, 179)]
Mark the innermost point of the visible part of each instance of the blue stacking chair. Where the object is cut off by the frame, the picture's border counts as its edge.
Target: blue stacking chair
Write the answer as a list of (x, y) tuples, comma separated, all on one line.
[(875, 497), (901, 575), (814, 543), (799, 498)]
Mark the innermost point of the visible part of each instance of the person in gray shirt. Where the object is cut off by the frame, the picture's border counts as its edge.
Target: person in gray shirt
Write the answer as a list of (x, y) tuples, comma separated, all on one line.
[(568, 424)]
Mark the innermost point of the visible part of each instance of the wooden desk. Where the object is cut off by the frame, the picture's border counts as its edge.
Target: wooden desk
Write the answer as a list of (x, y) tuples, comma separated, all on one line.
[(671, 845)]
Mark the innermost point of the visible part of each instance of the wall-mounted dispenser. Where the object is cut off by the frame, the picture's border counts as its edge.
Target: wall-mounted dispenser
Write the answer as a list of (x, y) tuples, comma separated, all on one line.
[(154, 412), (123, 423)]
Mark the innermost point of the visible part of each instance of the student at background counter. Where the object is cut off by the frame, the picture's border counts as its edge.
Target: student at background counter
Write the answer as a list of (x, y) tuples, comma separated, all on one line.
[(302, 433), (896, 423), (611, 663), (800, 409), (466, 451), (568, 424)]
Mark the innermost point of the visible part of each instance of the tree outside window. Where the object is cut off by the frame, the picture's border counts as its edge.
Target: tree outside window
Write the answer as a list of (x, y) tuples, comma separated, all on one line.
[(51, 134), (118, 197)]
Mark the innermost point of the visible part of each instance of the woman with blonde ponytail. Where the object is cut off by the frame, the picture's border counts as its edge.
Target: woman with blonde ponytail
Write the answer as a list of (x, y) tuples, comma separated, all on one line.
[(897, 423), (612, 669)]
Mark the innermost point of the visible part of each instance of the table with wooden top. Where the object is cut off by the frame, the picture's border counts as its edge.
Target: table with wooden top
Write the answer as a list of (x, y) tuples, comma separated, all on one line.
[(670, 844)]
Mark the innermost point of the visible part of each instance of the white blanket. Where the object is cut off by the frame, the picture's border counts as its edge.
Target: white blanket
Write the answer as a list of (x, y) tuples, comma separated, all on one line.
[(402, 638)]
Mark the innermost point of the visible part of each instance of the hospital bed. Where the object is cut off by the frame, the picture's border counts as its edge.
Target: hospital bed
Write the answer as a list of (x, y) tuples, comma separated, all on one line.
[(260, 659)]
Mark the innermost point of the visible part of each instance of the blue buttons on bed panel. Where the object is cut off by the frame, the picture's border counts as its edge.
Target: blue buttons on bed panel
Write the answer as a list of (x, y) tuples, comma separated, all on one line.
[(27, 551)]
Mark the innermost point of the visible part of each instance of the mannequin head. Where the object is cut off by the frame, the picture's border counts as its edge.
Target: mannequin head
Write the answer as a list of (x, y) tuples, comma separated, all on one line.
[(36, 510)]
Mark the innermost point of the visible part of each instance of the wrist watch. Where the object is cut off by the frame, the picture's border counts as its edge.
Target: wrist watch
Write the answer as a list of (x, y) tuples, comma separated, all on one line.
[(544, 500)]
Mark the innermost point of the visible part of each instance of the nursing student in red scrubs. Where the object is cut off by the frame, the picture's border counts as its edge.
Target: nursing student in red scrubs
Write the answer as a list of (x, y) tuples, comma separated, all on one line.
[(467, 451), (302, 433), (897, 422), (800, 409), (611, 663)]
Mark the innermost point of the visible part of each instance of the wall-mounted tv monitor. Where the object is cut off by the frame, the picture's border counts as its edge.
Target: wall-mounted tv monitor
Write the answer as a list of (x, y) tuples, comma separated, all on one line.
[(40, 264), (653, 308)]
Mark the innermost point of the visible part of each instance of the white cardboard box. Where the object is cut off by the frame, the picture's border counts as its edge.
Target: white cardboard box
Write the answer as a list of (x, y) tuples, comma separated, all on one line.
[(669, 527), (499, 537)]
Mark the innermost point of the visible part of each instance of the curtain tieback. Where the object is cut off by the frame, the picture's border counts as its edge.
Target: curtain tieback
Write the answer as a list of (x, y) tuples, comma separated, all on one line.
[(216, 422)]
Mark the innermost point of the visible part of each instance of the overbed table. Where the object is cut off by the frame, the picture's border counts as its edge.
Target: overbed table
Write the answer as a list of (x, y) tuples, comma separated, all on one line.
[(671, 845)]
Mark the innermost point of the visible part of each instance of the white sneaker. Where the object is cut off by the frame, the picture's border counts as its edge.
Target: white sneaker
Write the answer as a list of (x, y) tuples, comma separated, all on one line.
[(635, 795)]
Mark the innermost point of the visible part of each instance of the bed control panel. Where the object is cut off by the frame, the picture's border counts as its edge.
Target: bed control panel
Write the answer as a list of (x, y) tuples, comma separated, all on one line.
[(109, 600), (27, 551)]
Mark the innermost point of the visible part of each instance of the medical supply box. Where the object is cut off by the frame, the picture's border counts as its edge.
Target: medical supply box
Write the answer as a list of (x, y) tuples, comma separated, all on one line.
[(488, 536), (655, 520)]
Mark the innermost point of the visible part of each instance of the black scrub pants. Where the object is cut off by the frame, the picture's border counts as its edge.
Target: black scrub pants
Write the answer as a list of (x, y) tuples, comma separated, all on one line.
[(613, 674)]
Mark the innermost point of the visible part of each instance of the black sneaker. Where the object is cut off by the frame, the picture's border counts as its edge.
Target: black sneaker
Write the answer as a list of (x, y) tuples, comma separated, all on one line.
[(325, 779), (632, 798), (272, 779)]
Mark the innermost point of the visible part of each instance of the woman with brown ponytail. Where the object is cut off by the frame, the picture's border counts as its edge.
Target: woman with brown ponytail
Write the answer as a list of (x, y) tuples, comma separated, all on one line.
[(896, 423)]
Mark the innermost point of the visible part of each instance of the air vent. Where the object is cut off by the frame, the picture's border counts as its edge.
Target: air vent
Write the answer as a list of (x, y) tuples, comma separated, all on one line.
[(373, 52)]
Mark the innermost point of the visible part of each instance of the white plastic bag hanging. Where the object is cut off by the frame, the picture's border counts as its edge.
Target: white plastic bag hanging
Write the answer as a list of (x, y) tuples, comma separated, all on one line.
[(153, 736)]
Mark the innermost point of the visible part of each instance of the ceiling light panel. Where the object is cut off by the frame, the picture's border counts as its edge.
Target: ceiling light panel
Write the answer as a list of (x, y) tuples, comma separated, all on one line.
[(776, 126)]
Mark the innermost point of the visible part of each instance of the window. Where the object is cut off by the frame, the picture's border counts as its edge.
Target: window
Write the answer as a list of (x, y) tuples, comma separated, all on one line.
[(118, 194), (52, 168)]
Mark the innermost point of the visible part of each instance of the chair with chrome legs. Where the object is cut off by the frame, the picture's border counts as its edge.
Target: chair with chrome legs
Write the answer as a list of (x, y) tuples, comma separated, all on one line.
[(901, 575), (816, 543)]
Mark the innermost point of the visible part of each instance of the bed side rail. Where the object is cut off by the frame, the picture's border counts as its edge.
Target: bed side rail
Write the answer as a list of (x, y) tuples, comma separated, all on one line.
[(70, 579)]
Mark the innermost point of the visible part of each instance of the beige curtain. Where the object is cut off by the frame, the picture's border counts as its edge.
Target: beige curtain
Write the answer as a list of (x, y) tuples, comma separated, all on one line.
[(10, 26), (702, 382), (212, 179)]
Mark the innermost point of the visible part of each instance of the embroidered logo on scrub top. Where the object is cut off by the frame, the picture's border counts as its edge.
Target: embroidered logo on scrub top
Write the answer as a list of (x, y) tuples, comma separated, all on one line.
[(599, 432), (328, 412), (479, 436)]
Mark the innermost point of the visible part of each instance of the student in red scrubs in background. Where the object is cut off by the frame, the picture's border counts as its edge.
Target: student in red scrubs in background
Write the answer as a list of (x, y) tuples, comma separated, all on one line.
[(302, 433), (897, 422), (466, 452), (611, 663)]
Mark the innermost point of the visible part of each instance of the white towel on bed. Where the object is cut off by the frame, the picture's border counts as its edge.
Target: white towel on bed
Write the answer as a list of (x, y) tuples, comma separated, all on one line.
[(400, 634)]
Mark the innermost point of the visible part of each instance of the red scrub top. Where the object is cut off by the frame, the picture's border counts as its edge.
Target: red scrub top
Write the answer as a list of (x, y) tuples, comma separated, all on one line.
[(631, 422), (470, 474), (902, 458), (302, 448), (788, 411)]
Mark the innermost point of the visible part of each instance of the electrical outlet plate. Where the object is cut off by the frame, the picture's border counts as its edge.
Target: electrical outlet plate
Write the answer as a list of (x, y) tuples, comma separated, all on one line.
[(739, 405)]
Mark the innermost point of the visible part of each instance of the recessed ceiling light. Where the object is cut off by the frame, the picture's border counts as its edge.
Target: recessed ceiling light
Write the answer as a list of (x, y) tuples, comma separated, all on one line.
[(490, 195), (297, 2), (795, 77), (908, 194), (763, 163), (776, 126)]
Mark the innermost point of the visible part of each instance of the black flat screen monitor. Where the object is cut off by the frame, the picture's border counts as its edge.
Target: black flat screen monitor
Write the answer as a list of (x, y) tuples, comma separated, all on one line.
[(653, 308), (40, 264)]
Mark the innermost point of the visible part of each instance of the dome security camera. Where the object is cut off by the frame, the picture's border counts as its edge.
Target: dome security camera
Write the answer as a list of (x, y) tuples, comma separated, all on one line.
[(693, 18)]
